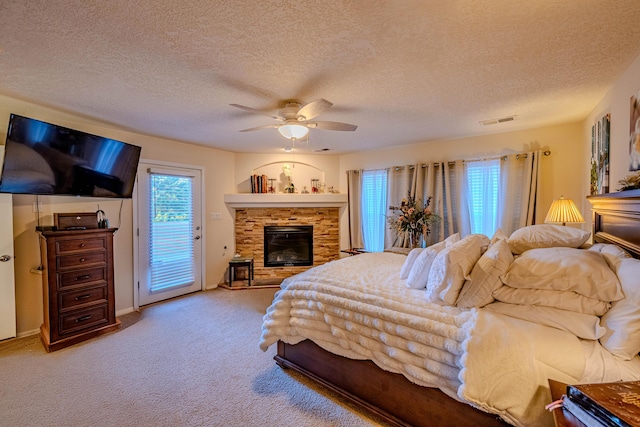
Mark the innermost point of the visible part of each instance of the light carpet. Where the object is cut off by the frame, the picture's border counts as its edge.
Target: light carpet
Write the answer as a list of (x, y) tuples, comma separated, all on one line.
[(190, 361)]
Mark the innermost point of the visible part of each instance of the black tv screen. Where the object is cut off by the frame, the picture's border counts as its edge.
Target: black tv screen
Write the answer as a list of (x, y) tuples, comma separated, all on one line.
[(43, 158)]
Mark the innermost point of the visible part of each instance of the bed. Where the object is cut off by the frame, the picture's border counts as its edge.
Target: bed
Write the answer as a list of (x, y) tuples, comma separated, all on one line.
[(356, 327)]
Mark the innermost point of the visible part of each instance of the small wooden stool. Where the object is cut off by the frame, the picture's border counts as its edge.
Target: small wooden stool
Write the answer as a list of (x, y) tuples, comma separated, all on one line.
[(237, 262)]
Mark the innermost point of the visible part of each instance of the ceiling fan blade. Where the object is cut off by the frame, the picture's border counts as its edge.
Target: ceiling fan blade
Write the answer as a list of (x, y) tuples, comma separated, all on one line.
[(332, 126), (260, 128), (313, 109), (253, 110)]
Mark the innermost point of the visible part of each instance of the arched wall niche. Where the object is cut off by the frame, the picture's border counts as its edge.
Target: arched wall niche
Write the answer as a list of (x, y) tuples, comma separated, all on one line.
[(287, 171)]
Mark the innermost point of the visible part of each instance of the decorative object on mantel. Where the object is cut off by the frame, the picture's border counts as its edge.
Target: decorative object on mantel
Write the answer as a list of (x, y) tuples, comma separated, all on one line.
[(563, 211), (630, 182), (315, 186), (272, 185), (412, 219)]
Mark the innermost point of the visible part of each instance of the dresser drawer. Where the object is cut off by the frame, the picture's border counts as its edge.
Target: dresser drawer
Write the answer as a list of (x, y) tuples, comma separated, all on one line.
[(82, 319), (75, 278), (82, 244), (81, 260), (72, 299)]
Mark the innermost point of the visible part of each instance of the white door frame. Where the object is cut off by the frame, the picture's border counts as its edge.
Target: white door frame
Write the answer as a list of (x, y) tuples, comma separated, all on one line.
[(7, 268), (136, 238)]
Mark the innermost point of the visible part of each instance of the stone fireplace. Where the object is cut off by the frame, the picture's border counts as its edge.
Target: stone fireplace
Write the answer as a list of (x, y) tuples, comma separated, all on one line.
[(250, 226)]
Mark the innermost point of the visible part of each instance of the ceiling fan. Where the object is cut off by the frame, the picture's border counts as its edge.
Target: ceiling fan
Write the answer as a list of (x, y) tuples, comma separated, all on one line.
[(294, 118)]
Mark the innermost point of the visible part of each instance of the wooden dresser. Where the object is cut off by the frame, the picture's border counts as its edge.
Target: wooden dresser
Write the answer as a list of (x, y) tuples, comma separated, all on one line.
[(78, 286)]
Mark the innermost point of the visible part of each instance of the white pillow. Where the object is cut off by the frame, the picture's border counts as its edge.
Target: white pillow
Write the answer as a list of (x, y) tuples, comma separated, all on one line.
[(581, 325), (417, 277), (454, 238), (622, 321), (485, 276), (565, 300), (546, 236), (613, 254), (499, 235), (413, 254), (408, 263), (452, 265), (565, 269)]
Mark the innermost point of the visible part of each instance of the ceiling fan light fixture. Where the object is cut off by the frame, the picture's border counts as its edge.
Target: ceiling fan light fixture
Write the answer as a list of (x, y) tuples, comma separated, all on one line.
[(292, 130)]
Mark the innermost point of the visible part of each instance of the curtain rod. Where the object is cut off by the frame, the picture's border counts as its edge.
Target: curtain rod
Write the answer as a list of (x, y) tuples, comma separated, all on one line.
[(452, 163)]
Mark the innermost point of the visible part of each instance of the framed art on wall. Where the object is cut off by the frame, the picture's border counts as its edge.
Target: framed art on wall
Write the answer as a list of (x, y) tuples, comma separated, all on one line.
[(600, 156), (634, 132)]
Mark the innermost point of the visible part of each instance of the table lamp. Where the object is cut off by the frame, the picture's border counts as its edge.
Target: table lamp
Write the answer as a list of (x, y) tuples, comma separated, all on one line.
[(563, 211)]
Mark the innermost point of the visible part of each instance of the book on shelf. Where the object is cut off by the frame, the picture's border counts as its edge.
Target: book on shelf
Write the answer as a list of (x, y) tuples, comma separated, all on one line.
[(259, 183), (606, 404)]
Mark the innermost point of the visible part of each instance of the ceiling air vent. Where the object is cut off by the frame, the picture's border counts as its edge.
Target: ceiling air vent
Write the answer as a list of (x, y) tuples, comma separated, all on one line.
[(496, 121)]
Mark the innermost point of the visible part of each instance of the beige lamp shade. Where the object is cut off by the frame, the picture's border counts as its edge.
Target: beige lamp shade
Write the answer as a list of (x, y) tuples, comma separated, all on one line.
[(563, 211)]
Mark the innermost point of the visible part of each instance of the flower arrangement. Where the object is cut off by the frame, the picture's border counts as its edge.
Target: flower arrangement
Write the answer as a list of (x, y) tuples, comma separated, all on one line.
[(412, 218)]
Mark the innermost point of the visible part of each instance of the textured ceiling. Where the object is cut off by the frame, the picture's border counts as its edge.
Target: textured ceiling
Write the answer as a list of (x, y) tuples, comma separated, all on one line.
[(403, 71)]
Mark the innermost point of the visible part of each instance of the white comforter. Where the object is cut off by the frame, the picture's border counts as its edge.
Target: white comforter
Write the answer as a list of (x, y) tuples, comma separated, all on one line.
[(359, 308)]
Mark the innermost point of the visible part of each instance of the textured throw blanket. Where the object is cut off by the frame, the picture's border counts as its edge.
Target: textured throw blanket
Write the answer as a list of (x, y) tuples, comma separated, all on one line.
[(359, 308)]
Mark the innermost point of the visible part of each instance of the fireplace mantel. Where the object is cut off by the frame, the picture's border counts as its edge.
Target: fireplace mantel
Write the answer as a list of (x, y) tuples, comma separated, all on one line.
[(270, 200)]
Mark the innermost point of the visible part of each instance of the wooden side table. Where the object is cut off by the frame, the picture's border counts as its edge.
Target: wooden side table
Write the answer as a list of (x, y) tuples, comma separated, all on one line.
[(237, 262)]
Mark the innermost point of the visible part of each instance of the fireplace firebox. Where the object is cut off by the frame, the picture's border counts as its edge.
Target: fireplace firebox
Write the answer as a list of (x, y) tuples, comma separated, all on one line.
[(288, 246)]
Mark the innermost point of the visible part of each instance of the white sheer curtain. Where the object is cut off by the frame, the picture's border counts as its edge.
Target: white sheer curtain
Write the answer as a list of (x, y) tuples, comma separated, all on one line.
[(354, 195)]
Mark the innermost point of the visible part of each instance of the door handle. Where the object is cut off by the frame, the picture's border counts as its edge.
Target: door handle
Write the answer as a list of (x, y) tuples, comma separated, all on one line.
[(5, 258)]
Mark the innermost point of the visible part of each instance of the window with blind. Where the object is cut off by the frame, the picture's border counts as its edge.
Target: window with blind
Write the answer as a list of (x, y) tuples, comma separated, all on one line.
[(171, 232), (483, 179), (374, 209)]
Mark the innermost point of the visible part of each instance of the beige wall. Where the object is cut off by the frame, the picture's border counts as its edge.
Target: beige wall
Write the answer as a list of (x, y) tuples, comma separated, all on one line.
[(218, 179)]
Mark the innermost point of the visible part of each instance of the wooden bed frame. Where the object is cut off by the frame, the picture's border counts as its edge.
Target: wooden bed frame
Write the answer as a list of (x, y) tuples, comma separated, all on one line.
[(616, 219)]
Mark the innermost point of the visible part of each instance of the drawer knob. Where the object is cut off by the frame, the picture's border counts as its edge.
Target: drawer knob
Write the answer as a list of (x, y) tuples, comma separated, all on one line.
[(83, 318), (82, 245), (81, 297), (83, 277), (82, 260)]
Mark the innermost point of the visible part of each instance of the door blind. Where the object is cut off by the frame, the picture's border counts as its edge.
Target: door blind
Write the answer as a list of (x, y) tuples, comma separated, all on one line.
[(171, 233)]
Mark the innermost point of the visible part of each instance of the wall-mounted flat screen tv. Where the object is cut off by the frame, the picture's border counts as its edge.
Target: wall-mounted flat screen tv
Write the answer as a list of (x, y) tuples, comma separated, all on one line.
[(43, 158)]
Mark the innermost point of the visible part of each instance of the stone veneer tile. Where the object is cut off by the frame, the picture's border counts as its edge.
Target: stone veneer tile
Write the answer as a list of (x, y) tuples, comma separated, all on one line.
[(249, 233)]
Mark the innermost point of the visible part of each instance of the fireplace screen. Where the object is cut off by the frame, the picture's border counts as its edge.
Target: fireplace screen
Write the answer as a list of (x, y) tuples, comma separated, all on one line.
[(288, 246)]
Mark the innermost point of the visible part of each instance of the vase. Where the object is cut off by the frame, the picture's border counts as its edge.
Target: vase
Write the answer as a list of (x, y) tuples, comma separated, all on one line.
[(415, 240)]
